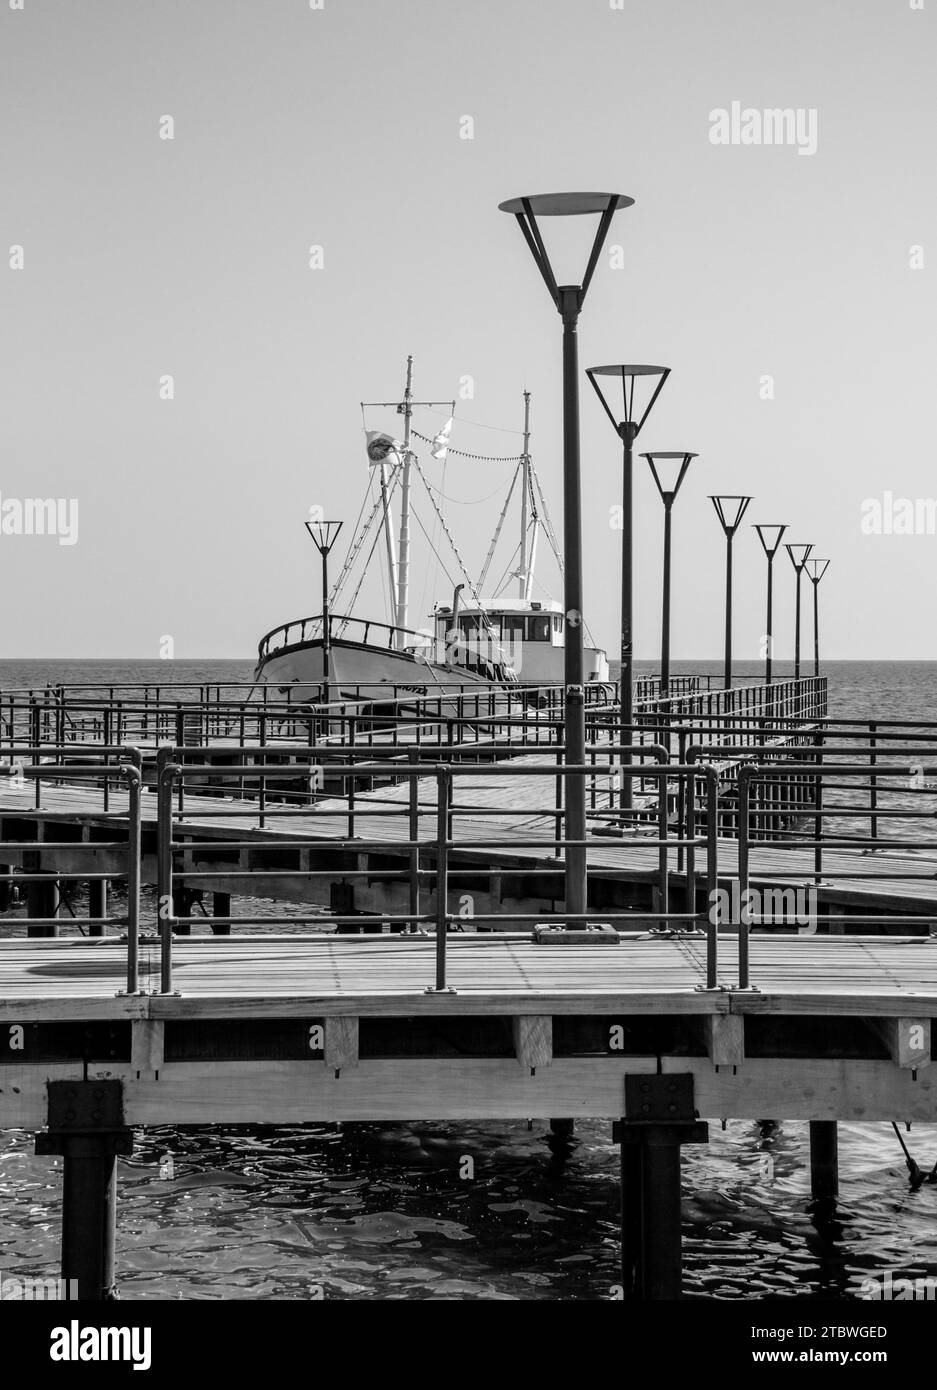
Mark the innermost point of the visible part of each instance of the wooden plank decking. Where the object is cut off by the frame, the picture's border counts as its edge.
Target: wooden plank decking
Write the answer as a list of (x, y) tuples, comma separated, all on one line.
[(282, 975)]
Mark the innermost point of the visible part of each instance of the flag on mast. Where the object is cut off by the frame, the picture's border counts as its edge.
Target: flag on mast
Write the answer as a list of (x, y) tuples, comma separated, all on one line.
[(441, 441), (383, 448)]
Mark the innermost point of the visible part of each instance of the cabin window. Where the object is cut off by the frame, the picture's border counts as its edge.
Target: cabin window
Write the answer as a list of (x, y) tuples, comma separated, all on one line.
[(512, 628), (557, 623), (538, 629)]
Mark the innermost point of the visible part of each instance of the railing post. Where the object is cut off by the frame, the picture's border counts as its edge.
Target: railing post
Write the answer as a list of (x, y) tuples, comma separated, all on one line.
[(745, 775), (818, 807), (262, 789), (558, 803), (413, 758), (165, 771), (443, 784), (134, 837), (712, 876), (682, 736), (662, 835), (35, 742), (688, 832), (873, 792)]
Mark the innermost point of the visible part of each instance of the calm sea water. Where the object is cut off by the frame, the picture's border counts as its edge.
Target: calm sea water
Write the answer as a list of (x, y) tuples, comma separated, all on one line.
[(368, 1211)]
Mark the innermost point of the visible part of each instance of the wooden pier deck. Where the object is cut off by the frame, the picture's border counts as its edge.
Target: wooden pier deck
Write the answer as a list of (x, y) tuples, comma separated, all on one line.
[(531, 1029)]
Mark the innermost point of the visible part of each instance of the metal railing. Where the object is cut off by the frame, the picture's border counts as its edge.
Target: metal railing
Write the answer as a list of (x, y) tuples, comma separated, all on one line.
[(393, 711), (827, 827), (24, 766), (808, 788), (434, 860)]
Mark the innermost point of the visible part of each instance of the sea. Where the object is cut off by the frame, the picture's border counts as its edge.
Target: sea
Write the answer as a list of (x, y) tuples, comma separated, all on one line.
[(385, 1212)]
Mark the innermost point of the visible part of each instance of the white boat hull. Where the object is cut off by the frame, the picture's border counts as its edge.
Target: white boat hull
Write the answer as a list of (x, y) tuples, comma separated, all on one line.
[(358, 670)]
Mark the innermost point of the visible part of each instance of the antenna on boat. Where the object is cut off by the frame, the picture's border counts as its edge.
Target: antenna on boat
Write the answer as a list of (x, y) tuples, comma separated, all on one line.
[(525, 571), (403, 549)]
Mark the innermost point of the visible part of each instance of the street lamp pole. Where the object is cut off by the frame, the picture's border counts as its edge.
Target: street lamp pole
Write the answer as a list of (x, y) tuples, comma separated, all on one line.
[(675, 464), (569, 300), (324, 535), (627, 428), (730, 511), (816, 569), (770, 545), (799, 554)]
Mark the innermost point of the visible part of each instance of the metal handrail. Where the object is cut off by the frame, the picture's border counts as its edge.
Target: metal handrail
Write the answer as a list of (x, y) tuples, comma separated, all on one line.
[(815, 772), (173, 773), (129, 771)]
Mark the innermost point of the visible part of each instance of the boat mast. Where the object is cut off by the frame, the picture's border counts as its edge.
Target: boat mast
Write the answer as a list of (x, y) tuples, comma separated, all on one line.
[(522, 573), (403, 548), (389, 533), (398, 558)]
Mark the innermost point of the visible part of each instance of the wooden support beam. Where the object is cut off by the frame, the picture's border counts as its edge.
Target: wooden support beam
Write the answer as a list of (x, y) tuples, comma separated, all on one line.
[(6, 886), (908, 1040), (725, 1039), (533, 1040), (146, 1045), (181, 906), (396, 1089), (221, 907), (341, 1043), (42, 900)]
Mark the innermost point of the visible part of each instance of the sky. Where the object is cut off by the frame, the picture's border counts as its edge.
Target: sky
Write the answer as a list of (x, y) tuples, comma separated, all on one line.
[(792, 295)]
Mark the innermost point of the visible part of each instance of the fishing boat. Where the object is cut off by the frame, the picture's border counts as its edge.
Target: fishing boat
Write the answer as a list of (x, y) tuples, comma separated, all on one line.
[(469, 641)]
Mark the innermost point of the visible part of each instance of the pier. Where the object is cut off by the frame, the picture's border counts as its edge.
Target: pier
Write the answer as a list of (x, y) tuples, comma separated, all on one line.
[(757, 937)]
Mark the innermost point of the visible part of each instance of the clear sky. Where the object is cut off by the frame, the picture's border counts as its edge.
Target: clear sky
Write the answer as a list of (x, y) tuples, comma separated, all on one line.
[(340, 127)]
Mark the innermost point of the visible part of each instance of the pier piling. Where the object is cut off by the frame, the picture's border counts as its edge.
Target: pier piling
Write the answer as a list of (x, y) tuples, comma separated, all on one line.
[(660, 1117), (86, 1128), (221, 907), (181, 907), (97, 904), (824, 1160), (42, 901)]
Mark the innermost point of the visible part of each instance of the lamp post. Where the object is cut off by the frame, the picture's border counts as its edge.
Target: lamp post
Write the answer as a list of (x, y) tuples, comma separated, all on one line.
[(569, 300), (816, 569), (675, 465), (798, 554), (770, 545), (730, 511), (324, 535), (627, 428)]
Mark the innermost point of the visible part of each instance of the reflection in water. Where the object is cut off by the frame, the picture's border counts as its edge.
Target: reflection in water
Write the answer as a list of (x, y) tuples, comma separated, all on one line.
[(384, 1212)]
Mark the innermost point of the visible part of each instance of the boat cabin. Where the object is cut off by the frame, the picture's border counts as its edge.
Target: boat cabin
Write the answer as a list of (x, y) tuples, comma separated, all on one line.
[(508, 622)]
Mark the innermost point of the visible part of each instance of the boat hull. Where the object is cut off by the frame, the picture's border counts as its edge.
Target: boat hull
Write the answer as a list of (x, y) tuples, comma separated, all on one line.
[(359, 670)]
